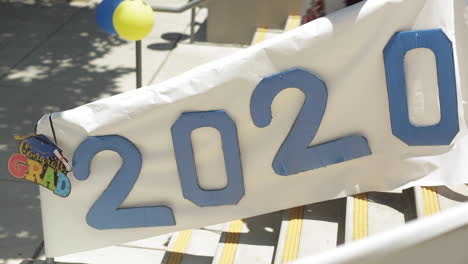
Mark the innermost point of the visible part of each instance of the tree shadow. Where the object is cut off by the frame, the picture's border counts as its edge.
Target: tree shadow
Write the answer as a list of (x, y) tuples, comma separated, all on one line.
[(263, 229), (53, 58)]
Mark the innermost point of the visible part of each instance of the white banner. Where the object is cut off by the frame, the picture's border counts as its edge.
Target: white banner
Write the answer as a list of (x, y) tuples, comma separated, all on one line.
[(229, 140)]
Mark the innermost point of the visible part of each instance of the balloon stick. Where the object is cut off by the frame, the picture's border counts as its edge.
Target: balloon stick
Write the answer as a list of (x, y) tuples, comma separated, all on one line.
[(138, 63)]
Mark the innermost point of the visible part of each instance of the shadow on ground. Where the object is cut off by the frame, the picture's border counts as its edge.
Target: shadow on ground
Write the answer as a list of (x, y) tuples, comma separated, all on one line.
[(172, 40)]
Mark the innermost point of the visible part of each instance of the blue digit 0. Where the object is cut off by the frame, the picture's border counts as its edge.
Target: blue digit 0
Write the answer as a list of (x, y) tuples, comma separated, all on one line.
[(295, 155), (443, 132), (105, 213), (181, 138)]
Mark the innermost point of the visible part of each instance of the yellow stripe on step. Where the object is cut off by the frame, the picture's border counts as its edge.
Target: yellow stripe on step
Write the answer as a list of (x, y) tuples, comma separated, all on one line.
[(260, 35), (360, 216), (180, 245), (293, 235), (430, 199), (232, 239), (293, 22)]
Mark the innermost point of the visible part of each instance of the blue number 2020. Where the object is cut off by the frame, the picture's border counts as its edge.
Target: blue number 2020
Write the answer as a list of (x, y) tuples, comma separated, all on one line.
[(443, 132), (105, 213), (295, 155)]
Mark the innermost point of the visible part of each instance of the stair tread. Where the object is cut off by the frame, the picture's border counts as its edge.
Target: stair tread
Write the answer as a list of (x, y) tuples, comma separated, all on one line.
[(386, 210), (262, 34), (196, 245), (256, 241), (292, 22), (450, 196), (322, 228)]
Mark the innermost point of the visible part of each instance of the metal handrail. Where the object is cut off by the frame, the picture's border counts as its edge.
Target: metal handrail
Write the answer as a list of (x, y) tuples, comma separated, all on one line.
[(191, 4)]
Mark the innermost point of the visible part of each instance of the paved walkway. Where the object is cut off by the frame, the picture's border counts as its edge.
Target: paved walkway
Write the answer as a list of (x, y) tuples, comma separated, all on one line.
[(53, 57)]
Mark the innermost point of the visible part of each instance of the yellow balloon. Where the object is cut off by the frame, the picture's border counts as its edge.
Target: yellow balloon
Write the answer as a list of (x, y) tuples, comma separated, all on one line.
[(133, 19)]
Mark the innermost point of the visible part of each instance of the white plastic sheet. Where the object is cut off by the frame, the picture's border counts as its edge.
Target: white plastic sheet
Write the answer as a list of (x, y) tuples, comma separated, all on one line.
[(345, 49)]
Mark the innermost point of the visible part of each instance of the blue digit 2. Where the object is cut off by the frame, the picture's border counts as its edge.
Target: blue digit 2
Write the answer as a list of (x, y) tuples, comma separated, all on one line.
[(181, 138), (105, 213), (295, 155), (443, 132)]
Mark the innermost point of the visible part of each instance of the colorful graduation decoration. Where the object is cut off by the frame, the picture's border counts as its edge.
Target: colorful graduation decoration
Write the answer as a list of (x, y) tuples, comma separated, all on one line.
[(130, 19), (336, 107), (42, 162)]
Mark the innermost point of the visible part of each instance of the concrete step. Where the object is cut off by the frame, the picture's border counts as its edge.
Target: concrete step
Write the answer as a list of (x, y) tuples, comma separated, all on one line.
[(194, 246), (292, 22), (146, 251), (375, 212), (188, 56), (263, 34), (311, 229), (250, 240), (366, 214), (452, 195), (436, 239), (430, 200), (236, 21)]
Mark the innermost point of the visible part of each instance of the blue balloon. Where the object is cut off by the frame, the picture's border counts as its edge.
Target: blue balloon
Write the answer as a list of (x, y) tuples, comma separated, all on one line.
[(104, 13)]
